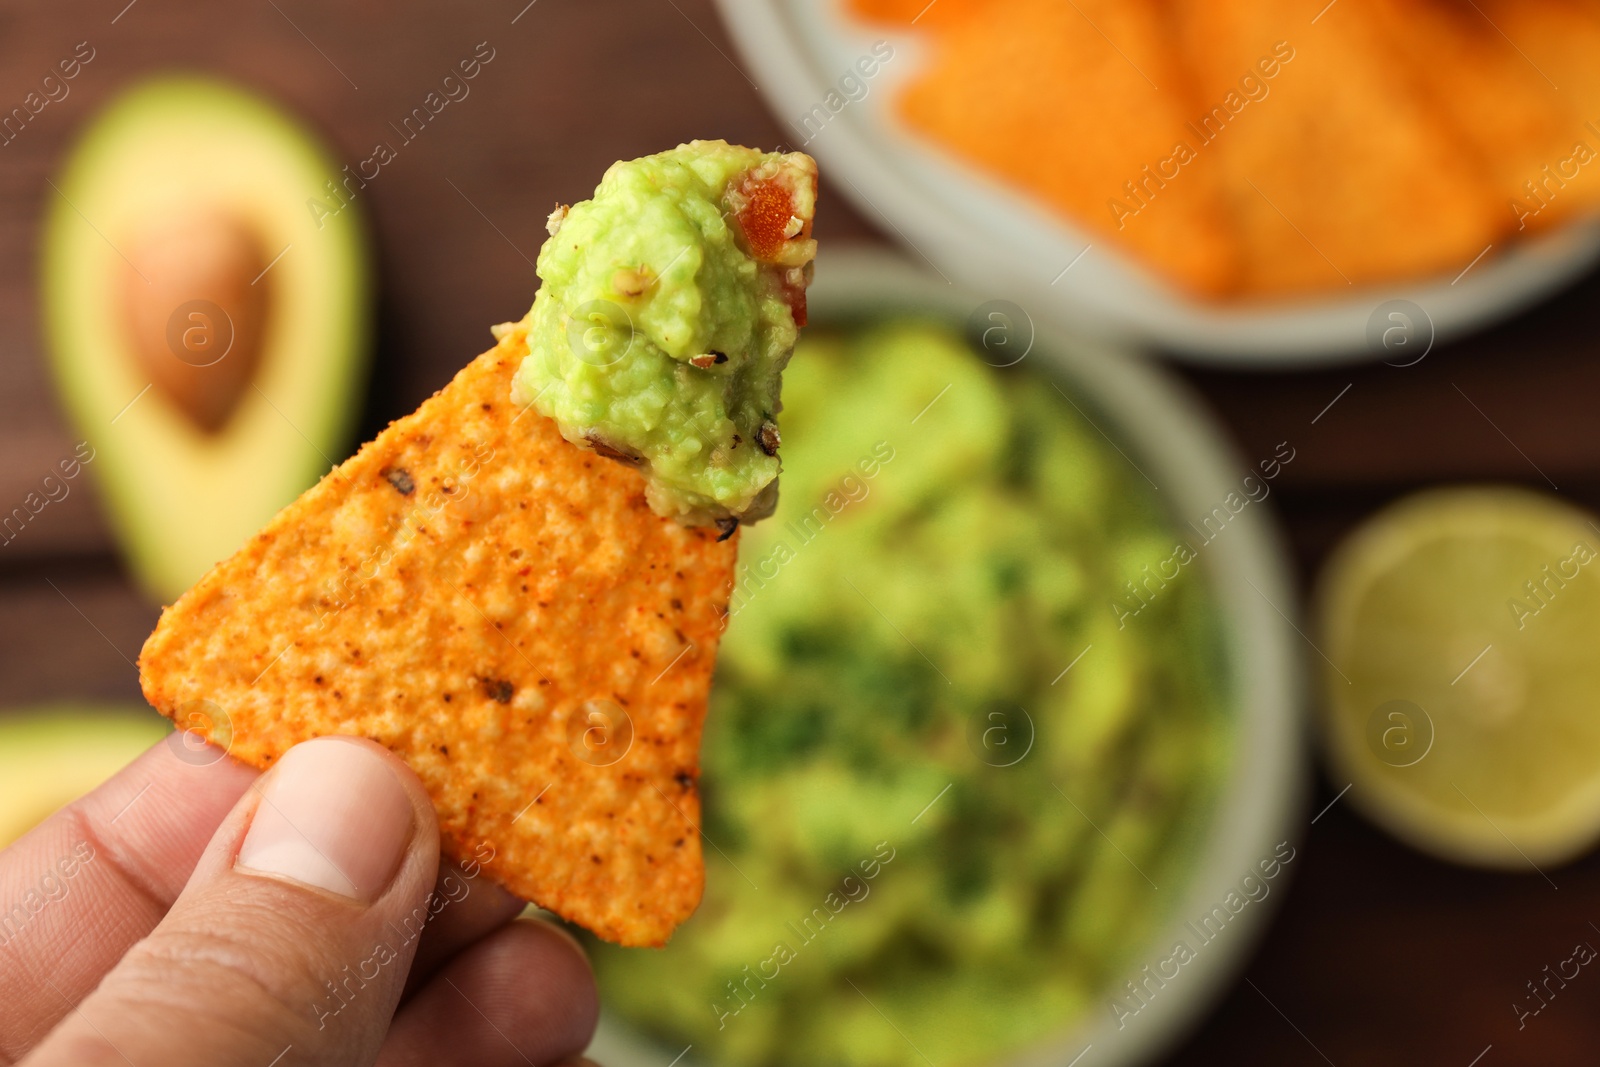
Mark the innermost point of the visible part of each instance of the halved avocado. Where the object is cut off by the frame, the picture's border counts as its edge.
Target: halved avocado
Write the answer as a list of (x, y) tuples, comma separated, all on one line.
[(206, 295), (53, 755)]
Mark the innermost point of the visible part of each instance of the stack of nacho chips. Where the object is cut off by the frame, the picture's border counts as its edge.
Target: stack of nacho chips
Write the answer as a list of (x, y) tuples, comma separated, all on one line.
[(1272, 148)]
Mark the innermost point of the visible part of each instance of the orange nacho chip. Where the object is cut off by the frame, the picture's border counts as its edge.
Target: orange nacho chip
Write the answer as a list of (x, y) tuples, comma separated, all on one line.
[(1083, 106), (504, 612), (1342, 176), (1559, 41), (1511, 118)]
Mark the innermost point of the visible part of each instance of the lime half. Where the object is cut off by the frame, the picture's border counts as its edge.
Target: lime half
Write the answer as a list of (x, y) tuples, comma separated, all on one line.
[(1462, 633)]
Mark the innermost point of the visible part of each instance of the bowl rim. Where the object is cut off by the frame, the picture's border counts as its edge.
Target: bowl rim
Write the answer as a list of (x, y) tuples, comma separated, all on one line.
[(979, 231), (1261, 802)]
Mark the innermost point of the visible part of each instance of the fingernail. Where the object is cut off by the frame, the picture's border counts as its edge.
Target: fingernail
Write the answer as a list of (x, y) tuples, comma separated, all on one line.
[(332, 816)]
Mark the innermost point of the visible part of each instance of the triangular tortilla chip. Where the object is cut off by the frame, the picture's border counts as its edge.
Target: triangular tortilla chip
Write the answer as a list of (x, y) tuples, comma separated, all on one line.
[(502, 610), (1559, 42), (1342, 175), (1084, 106), (1512, 119)]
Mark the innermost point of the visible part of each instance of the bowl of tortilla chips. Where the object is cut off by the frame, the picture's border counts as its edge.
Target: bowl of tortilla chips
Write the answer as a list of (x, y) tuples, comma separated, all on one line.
[(1244, 182)]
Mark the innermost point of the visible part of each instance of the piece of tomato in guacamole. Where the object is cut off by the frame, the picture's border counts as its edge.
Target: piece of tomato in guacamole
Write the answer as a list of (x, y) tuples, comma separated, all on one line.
[(670, 304)]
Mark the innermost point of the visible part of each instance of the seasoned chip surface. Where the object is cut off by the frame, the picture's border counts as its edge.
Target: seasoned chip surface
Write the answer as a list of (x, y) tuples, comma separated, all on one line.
[(502, 610)]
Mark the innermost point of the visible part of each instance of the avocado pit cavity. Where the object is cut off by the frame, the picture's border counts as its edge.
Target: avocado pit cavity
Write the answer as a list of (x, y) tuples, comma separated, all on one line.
[(194, 310)]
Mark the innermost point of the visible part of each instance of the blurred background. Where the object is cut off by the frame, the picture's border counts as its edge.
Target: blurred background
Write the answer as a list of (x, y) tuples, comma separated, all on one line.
[(1378, 953)]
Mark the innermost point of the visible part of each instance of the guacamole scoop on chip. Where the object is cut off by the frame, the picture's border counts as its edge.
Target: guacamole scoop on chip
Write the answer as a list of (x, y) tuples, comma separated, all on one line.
[(670, 304)]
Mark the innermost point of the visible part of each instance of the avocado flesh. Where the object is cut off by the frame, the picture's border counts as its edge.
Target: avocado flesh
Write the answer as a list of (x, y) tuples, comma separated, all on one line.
[(51, 756), (182, 494)]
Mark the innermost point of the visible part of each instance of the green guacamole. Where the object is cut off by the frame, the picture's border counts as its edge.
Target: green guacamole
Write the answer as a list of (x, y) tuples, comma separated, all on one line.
[(669, 307), (904, 784)]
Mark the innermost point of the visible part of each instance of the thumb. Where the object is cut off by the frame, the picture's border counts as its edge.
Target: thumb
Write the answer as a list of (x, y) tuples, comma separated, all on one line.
[(291, 942)]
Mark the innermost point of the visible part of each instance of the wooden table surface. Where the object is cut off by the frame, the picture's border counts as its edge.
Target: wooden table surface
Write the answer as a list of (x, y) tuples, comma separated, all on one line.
[(1378, 955)]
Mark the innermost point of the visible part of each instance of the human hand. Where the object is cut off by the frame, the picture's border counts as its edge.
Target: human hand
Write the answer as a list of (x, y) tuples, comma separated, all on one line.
[(192, 911)]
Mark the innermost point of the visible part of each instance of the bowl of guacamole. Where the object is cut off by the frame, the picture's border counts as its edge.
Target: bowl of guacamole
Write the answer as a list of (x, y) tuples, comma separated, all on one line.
[(1003, 756)]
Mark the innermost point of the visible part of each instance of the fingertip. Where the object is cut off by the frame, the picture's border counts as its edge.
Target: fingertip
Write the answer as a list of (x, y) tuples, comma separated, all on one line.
[(427, 820), (477, 907), (555, 962), (528, 985), (336, 815), (561, 932)]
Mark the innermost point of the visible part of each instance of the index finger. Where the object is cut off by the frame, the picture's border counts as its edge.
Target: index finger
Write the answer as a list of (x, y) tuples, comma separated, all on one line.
[(82, 887)]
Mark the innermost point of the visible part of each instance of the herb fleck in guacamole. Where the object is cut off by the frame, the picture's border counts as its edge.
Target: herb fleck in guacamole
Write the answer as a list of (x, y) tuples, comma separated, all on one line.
[(670, 305), (904, 784)]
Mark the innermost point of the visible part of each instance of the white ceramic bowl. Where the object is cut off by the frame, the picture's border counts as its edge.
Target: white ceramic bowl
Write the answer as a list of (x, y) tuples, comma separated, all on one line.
[(1162, 429), (975, 231)]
